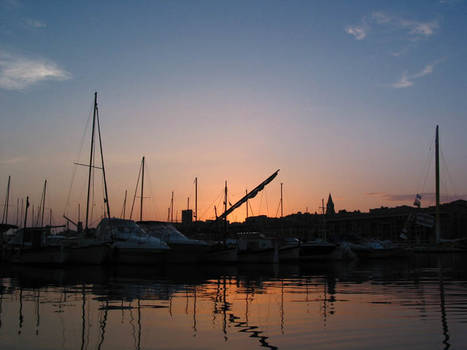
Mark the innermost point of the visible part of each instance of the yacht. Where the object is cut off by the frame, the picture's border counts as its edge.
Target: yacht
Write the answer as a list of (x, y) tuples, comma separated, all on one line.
[(254, 247), (182, 248), (130, 243)]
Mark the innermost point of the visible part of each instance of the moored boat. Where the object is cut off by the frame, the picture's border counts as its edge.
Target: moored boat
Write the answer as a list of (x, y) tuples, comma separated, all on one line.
[(30, 246), (289, 249), (182, 248), (130, 244), (254, 247)]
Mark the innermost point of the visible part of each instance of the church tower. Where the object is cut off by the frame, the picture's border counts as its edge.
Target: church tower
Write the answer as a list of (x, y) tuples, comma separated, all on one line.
[(330, 206)]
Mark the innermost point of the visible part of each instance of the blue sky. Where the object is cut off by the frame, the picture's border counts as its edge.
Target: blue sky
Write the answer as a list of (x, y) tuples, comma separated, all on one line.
[(342, 96)]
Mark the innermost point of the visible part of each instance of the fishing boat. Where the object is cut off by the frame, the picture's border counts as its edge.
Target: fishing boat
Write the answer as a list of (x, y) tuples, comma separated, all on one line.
[(30, 246), (223, 252), (131, 244), (182, 248)]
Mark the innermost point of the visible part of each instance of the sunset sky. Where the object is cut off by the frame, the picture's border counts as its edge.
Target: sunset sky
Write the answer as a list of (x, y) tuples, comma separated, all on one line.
[(342, 96)]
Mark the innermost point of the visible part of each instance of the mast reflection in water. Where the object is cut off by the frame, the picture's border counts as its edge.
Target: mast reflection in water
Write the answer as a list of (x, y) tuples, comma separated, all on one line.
[(417, 303)]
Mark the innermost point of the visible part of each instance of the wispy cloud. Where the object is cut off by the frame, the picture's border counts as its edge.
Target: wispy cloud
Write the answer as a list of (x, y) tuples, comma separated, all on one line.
[(34, 23), (357, 31), (11, 4), (414, 28), (13, 160), (18, 72), (406, 80)]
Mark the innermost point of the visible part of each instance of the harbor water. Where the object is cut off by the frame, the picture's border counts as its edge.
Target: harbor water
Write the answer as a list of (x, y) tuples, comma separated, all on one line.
[(414, 303)]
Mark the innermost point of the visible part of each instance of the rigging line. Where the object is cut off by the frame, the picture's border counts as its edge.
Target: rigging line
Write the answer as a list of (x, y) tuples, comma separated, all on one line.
[(278, 207), (73, 171), (251, 208), (215, 201), (151, 195), (267, 202), (448, 173), (428, 165), (136, 190), (260, 202)]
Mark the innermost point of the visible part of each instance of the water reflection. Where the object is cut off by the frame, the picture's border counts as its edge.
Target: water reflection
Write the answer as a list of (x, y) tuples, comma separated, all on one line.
[(331, 306)]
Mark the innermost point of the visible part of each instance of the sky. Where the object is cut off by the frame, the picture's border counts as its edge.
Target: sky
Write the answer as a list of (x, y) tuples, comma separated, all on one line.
[(342, 96)]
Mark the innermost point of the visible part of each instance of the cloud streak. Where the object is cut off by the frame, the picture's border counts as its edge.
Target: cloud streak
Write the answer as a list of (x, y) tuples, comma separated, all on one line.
[(357, 31), (416, 29), (406, 80), (18, 72), (34, 23)]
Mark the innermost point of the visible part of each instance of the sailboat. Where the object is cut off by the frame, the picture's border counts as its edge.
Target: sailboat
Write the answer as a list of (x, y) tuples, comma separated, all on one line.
[(84, 248), (437, 244), (248, 248)]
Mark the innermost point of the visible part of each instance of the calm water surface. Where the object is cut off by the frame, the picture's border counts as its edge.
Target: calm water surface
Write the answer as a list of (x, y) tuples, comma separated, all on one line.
[(418, 303)]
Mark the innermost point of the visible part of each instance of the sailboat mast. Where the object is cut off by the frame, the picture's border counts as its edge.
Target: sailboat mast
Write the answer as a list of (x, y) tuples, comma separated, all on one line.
[(43, 203), (172, 208), (106, 199), (437, 224), (142, 190), (124, 205), (225, 210), (7, 200), (196, 199), (91, 161)]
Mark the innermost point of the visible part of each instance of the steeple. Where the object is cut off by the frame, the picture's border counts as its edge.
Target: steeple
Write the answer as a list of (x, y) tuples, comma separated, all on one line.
[(330, 206)]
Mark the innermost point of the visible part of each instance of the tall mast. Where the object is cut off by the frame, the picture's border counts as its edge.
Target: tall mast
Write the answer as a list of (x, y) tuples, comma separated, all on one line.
[(7, 200), (142, 190), (172, 208), (188, 203), (43, 203), (26, 213), (225, 210), (282, 203), (437, 224), (196, 199), (106, 199), (17, 212), (91, 156)]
